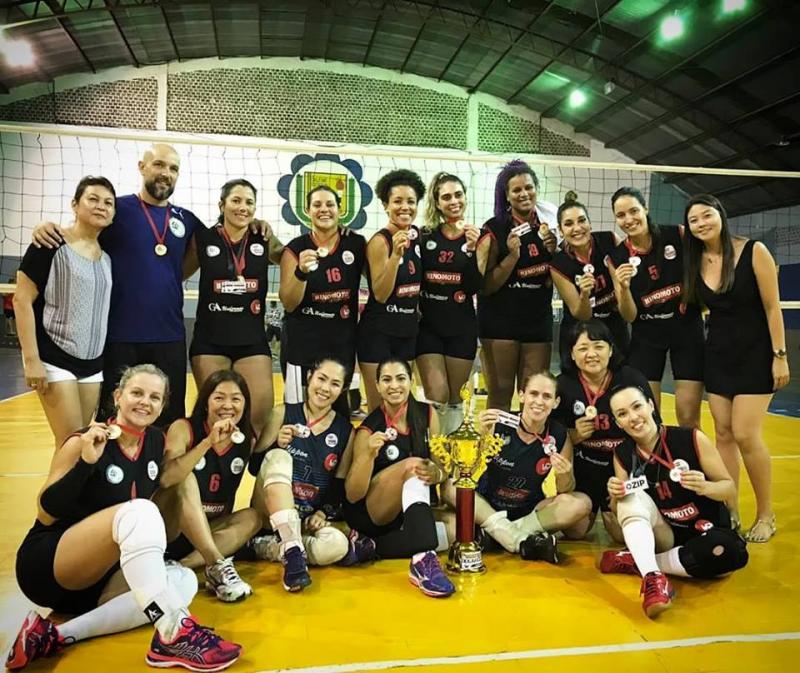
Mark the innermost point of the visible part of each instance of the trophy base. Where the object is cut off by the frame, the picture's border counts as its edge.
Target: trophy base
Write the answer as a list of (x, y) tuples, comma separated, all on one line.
[(465, 557)]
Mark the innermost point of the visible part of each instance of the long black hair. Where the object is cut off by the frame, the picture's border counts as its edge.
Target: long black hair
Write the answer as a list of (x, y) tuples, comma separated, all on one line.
[(416, 413), (652, 227), (200, 410), (693, 251), (226, 190), (595, 330), (340, 404)]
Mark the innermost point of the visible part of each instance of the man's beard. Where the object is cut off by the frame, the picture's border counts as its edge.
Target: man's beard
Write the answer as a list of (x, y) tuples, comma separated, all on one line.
[(159, 191)]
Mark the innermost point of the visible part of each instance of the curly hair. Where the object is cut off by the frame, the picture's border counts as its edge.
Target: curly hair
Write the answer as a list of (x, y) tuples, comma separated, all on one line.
[(402, 177)]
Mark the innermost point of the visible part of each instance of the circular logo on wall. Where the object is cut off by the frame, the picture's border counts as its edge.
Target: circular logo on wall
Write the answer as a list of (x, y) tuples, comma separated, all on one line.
[(344, 176)]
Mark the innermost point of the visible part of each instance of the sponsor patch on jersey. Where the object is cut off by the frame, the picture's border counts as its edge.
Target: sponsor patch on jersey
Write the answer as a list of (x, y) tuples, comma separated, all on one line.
[(430, 245), (670, 252), (578, 408), (257, 249), (344, 312), (304, 491), (255, 306), (460, 297), (114, 474), (200, 464), (152, 470), (703, 525), (331, 461), (177, 227), (392, 452), (348, 257), (683, 513), (543, 466), (212, 250), (237, 465), (331, 440)]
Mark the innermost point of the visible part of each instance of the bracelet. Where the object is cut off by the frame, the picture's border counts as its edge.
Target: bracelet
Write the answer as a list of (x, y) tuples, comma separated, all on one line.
[(779, 353), (300, 275)]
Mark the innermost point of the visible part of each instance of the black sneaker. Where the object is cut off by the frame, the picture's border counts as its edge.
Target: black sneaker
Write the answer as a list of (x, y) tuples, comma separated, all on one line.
[(540, 547)]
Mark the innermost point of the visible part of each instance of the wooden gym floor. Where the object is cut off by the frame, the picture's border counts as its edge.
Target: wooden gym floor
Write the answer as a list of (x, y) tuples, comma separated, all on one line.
[(520, 616)]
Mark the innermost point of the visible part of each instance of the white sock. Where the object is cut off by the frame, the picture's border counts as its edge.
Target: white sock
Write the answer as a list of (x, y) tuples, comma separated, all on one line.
[(414, 491), (441, 536), (121, 613), (642, 544), (418, 556), (530, 523), (286, 522), (670, 563), (507, 533)]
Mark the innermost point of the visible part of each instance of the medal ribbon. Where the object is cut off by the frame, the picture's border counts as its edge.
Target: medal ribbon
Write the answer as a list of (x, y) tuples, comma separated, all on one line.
[(535, 434), (633, 251), (238, 260), (654, 457), (590, 396), (312, 423), (160, 238), (127, 429), (391, 421)]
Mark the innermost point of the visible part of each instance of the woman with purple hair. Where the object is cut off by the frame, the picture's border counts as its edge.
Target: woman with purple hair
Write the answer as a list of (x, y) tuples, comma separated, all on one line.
[(516, 342)]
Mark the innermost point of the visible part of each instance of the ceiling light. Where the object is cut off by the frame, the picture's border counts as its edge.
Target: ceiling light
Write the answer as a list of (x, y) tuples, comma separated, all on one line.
[(18, 53), (577, 98), (731, 6), (783, 141), (608, 87), (672, 27)]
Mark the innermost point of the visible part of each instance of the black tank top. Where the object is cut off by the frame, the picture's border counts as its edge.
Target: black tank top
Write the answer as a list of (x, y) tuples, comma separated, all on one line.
[(397, 449), (681, 507), (231, 312), (656, 288), (513, 478), (528, 285), (218, 474), (398, 315), (314, 458), (451, 280), (325, 320)]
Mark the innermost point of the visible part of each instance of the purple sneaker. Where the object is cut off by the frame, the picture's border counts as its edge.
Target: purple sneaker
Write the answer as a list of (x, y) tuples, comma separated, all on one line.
[(295, 570), (194, 647), (37, 638), (360, 550), (428, 575)]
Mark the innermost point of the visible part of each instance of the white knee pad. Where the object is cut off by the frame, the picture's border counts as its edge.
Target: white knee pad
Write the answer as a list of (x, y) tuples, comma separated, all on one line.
[(138, 528), (182, 581), (328, 545), (637, 505), (276, 468), (507, 533)]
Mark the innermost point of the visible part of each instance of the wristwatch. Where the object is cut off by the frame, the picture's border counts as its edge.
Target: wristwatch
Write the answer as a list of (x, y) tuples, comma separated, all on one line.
[(779, 353)]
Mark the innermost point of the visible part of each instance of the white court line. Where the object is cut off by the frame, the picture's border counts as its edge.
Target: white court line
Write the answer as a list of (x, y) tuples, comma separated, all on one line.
[(544, 654), (13, 397), (792, 457), (24, 474)]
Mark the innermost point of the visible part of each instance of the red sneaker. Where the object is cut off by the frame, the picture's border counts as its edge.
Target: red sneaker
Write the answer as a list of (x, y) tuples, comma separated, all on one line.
[(194, 647), (37, 638), (658, 594), (618, 562)]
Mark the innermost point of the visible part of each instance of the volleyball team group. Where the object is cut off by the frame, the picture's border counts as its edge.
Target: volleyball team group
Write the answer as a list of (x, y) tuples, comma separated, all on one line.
[(139, 494)]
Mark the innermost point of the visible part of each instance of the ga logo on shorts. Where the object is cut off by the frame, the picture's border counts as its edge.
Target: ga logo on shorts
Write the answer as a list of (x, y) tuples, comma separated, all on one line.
[(331, 440), (237, 465), (114, 474), (331, 461), (177, 227), (578, 408), (152, 470)]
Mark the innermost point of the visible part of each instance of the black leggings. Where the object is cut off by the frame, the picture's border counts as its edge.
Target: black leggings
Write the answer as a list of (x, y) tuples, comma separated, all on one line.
[(412, 532)]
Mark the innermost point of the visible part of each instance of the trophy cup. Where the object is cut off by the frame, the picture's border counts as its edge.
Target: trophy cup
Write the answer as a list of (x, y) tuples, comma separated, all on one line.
[(464, 454)]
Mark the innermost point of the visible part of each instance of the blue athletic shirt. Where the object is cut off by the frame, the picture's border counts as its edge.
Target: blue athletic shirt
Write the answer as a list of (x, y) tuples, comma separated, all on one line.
[(147, 290)]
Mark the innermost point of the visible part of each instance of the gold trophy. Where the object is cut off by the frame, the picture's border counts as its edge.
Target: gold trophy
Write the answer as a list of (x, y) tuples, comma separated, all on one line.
[(464, 454)]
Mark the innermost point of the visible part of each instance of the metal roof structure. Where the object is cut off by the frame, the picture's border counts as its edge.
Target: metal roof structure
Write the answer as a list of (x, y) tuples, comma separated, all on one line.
[(726, 94)]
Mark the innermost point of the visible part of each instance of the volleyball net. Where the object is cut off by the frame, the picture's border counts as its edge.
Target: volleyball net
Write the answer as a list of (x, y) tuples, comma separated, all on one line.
[(40, 167)]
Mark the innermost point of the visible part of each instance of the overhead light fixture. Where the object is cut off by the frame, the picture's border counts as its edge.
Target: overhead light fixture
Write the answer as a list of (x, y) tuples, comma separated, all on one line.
[(577, 98), (17, 53), (783, 141), (731, 6), (608, 87), (671, 27)]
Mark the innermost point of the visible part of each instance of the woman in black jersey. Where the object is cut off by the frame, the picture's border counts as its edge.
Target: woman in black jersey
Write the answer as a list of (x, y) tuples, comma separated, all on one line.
[(207, 454), (229, 330), (388, 484), (745, 356), (510, 504), (97, 546), (648, 283), (320, 276), (453, 261), (62, 332), (594, 367), (389, 323), (679, 525), (515, 314), (582, 277), (301, 460)]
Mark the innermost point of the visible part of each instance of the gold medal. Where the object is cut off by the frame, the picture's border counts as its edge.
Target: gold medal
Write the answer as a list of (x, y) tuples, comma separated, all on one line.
[(113, 431), (591, 412), (161, 249)]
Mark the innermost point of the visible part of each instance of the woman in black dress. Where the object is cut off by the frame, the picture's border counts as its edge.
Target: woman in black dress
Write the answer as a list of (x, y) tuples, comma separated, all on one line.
[(745, 355)]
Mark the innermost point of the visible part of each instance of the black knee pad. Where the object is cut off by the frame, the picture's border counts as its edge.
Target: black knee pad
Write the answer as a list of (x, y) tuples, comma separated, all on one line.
[(699, 559)]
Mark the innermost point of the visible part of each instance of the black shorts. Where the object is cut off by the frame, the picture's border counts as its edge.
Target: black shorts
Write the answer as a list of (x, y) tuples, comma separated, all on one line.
[(36, 577), (179, 548), (203, 346), (374, 346), (462, 346), (685, 344), (357, 517), (593, 481), (540, 332)]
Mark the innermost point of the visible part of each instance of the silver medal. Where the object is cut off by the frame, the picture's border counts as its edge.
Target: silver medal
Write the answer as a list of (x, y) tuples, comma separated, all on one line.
[(301, 430), (237, 436), (588, 268), (391, 434), (679, 466), (113, 432)]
